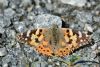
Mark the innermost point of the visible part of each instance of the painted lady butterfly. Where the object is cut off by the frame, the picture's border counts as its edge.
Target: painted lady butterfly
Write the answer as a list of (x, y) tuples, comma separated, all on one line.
[(54, 41)]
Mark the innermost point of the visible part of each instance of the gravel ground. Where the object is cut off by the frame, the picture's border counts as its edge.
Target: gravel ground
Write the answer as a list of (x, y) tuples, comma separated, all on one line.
[(18, 16)]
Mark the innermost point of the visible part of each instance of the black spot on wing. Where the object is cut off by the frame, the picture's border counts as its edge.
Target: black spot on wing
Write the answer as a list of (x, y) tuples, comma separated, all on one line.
[(36, 40), (67, 31), (33, 31), (40, 30), (75, 32), (24, 35), (70, 41), (89, 33), (39, 34), (69, 35)]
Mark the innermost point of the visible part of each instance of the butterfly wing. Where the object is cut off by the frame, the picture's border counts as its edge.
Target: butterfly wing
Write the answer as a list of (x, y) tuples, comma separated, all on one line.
[(36, 38), (72, 40)]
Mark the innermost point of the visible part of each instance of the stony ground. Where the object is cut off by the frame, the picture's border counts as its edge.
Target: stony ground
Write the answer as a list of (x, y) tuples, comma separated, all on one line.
[(21, 15)]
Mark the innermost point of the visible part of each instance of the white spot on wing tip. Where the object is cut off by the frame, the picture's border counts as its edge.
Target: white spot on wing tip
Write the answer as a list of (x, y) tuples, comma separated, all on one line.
[(80, 34), (25, 38), (81, 40), (21, 34), (86, 34)]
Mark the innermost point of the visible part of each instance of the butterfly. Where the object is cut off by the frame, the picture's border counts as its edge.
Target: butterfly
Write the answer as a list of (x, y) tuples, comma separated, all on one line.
[(54, 41)]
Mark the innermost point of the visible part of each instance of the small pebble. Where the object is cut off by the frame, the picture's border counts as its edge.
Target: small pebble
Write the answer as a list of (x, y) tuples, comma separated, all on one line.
[(20, 26), (2, 30), (88, 28), (5, 65), (3, 3), (79, 3), (94, 46), (3, 51), (26, 3), (84, 17), (9, 13)]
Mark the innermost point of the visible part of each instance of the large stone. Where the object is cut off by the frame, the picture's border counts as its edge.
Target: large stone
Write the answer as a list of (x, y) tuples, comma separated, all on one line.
[(46, 21)]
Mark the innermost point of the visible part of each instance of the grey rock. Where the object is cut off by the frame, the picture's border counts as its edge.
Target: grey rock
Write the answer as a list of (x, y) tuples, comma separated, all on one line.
[(19, 15), (30, 53), (1, 21), (46, 20), (30, 16), (84, 16), (97, 8), (39, 11), (14, 3), (12, 33), (49, 6), (49, 65), (39, 64), (96, 19), (5, 65), (37, 3), (25, 3), (21, 63), (3, 51), (9, 12), (4, 21), (20, 26), (3, 3), (2, 30), (88, 27), (89, 4), (79, 3), (96, 35), (8, 59)]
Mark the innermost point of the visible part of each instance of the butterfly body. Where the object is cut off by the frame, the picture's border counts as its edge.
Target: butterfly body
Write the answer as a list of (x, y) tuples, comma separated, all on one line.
[(54, 41)]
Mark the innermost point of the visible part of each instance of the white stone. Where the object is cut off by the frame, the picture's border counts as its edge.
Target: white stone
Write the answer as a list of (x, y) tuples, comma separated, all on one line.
[(99, 47), (3, 51), (57, 63), (94, 46), (3, 3), (88, 27), (79, 3), (80, 34), (5, 65), (25, 3)]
